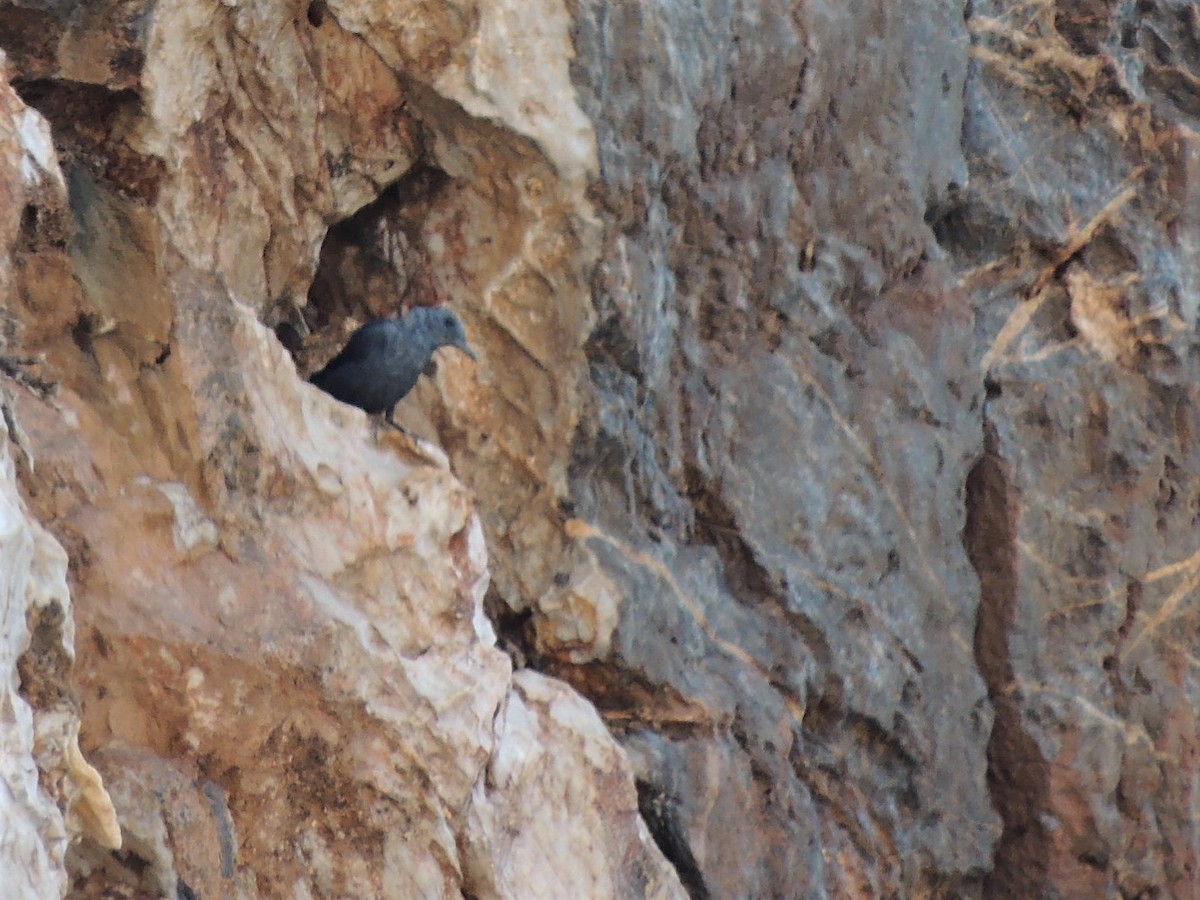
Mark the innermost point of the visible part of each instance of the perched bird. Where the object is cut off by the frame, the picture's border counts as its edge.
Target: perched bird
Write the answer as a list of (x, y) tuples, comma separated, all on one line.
[(383, 360)]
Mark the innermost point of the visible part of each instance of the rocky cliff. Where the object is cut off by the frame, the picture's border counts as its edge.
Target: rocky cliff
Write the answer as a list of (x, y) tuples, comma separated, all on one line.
[(819, 519)]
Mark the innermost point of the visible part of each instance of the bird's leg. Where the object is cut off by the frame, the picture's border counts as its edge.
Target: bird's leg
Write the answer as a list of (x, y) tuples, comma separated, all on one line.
[(388, 417), (422, 446)]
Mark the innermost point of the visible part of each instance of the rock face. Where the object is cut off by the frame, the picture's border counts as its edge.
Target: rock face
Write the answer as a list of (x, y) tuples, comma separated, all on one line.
[(829, 472), (283, 667), (51, 793), (1085, 274)]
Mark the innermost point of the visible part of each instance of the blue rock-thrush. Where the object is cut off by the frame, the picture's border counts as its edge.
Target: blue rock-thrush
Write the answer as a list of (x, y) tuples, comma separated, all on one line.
[(383, 360)]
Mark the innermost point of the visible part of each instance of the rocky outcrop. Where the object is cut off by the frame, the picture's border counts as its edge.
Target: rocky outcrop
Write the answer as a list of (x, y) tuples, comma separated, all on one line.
[(1077, 238), (786, 415), (284, 670), (827, 474), (51, 794)]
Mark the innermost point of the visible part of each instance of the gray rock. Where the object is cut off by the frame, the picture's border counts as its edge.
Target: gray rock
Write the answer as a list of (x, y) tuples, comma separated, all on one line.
[(786, 415)]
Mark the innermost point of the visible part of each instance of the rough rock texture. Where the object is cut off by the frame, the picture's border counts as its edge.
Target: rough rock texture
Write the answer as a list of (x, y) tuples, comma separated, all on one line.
[(832, 438), (786, 414), (51, 794), (1078, 238), (285, 673)]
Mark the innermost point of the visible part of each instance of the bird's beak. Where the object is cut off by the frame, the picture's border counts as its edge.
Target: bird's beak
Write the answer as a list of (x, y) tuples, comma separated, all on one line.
[(466, 348)]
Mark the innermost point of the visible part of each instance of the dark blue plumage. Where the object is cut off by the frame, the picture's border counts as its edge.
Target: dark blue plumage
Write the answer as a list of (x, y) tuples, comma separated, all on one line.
[(382, 361)]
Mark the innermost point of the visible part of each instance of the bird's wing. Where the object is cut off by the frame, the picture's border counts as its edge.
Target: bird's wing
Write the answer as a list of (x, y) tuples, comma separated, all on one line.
[(372, 340)]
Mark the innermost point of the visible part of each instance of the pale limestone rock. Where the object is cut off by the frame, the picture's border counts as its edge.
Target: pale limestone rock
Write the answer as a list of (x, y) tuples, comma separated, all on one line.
[(33, 584), (580, 618), (192, 529), (547, 823), (51, 793), (34, 837), (90, 809), (281, 605), (37, 157), (512, 244), (514, 69)]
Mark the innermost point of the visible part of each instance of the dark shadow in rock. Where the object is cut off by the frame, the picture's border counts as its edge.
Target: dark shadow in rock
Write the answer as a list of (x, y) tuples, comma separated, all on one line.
[(661, 819)]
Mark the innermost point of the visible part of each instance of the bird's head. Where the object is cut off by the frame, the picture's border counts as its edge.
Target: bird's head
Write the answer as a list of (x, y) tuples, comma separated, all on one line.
[(445, 329)]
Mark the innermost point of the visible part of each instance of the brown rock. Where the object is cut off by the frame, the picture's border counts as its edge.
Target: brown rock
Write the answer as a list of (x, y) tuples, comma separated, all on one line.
[(284, 664), (52, 795), (832, 436)]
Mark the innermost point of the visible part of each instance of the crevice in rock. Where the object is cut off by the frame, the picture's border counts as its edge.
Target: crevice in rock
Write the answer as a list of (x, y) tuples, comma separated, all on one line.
[(317, 13), (45, 666), (29, 38), (716, 525), (515, 632), (373, 265), (662, 818), (133, 871), (1018, 773), (614, 453), (610, 343), (87, 122), (627, 700)]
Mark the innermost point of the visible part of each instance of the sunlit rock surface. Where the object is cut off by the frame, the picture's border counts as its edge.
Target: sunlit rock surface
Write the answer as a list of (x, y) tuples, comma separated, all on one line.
[(817, 521)]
